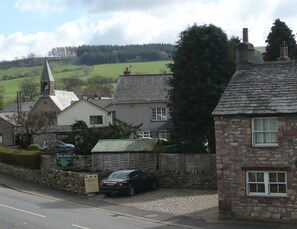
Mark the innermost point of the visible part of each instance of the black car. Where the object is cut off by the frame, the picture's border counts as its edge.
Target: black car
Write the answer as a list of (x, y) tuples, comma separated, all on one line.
[(127, 182)]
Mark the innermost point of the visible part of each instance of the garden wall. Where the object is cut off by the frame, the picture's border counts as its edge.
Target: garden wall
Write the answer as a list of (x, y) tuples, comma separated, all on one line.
[(74, 181)]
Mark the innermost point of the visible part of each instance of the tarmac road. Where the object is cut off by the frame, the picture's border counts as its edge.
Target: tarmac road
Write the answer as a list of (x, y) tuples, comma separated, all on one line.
[(162, 209)]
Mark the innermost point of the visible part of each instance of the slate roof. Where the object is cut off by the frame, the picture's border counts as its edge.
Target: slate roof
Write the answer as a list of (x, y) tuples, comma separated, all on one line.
[(142, 89), (261, 89), (46, 74), (124, 145), (8, 119), (26, 107), (63, 99), (104, 103)]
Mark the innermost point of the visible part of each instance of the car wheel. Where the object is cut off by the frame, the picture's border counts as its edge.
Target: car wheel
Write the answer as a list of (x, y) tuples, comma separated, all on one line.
[(154, 185), (131, 191)]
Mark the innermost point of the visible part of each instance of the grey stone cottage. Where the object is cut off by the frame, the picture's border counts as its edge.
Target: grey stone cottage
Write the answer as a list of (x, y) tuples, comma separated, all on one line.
[(256, 139)]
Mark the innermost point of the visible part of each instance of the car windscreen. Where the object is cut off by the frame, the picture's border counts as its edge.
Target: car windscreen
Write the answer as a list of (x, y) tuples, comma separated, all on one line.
[(118, 175)]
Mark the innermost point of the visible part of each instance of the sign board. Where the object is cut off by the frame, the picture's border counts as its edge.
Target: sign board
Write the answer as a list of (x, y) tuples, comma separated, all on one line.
[(64, 160), (91, 183)]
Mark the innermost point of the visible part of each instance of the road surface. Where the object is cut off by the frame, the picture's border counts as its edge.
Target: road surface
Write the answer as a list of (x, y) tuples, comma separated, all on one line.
[(25, 205)]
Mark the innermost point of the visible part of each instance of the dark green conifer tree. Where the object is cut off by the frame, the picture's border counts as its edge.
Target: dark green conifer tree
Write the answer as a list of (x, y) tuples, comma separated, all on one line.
[(203, 64), (280, 33)]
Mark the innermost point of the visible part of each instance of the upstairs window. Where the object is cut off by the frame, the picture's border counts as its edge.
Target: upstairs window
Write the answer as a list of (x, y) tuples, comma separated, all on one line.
[(264, 131), (264, 183), (146, 134), (159, 114), (96, 119)]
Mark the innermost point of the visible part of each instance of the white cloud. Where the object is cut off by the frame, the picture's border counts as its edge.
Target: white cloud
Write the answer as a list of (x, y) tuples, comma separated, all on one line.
[(39, 6), (145, 21)]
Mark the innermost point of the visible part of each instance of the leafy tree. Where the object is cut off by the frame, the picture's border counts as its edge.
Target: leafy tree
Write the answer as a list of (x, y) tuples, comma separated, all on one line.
[(85, 138), (2, 92), (87, 69), (28, 126), (280, 33), (28, 89), (98, 86), (202, 66), (70, 83)]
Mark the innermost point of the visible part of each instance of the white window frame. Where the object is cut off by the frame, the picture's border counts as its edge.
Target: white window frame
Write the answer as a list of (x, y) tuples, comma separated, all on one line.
[(145, 134), (92, 117), (159, 114), (267, 184), (262, 131)]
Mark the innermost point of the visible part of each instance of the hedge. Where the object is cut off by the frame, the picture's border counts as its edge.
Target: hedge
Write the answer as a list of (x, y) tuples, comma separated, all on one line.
[(22, 158)]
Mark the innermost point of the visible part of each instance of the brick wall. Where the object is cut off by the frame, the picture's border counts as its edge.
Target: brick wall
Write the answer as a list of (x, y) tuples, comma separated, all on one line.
[(235, 155)]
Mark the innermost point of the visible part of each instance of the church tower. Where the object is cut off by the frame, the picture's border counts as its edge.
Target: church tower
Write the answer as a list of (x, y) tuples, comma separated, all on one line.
[(47, 82)]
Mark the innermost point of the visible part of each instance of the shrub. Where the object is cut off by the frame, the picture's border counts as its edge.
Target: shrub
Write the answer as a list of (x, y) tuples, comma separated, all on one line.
[(34, 147), (22, 158)]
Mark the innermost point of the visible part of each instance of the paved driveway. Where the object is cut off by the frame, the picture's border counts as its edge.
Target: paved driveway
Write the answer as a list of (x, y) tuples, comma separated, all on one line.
[(201, 204)]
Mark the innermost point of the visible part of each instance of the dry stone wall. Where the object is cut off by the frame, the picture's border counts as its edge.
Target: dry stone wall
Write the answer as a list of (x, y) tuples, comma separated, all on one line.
[(74, 181)]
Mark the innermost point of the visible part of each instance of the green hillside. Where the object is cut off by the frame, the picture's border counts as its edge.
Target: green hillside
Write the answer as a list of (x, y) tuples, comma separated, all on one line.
[(11, 77)]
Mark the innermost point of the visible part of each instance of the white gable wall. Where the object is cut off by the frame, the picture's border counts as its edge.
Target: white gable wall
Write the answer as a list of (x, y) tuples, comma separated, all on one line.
[(82, 110)]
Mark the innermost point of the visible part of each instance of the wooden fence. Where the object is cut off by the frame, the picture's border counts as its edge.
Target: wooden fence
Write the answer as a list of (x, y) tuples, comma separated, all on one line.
[(115, 161), (144, 161)]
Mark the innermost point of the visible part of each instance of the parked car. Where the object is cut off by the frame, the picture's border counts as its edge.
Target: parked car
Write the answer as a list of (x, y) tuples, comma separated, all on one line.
[(56, 144), (127, 182)]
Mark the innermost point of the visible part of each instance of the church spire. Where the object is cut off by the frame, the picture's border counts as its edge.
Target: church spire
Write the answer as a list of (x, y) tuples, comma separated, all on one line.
[(47, 82)]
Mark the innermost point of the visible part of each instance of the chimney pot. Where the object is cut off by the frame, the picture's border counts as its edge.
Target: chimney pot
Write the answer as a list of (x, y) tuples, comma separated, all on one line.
[(126, 72), (245, 35), (244, 52), (284, 54)]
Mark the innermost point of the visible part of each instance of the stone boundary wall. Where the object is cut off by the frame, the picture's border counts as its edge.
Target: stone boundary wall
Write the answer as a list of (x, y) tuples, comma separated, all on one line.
[(64, 180), (187, 179), (74, 181)]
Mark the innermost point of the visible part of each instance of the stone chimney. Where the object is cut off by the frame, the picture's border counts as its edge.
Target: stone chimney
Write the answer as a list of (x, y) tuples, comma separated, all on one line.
[(284, 53), (126, 72), (244, 52), (245, 35)]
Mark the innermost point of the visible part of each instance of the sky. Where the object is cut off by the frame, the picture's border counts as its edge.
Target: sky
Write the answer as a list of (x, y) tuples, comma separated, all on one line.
[(37, 26)]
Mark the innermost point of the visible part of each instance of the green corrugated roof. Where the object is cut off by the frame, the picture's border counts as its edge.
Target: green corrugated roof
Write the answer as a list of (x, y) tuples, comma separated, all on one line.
[(124, 145)]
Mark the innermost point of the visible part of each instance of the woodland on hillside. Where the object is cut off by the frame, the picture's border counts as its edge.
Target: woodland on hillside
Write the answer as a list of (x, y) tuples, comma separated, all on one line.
[(97, 54), (102, 54)]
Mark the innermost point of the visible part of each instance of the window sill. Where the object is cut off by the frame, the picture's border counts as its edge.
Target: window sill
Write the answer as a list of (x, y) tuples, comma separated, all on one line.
[(265, 145), (268, 197)]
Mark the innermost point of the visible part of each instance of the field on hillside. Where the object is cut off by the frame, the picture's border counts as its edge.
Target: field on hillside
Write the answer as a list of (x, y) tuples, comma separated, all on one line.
[(67, 70)]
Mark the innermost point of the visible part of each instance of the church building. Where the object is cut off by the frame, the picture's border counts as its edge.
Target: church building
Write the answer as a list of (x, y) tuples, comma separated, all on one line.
[(52, 101)]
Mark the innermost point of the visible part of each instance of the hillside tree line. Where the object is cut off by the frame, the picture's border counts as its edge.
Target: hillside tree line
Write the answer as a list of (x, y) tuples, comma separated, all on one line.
[(103, 54)]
